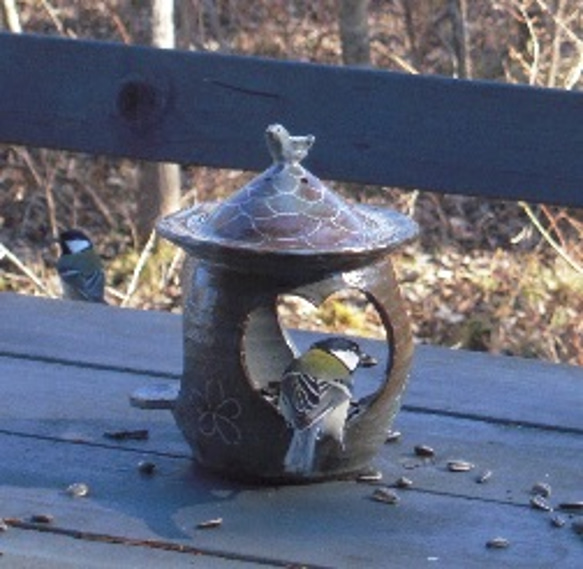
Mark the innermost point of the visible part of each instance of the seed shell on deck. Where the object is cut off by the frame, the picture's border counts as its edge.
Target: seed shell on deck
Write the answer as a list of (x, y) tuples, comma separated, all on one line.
[(77, 490), (539, 503), (403, 482), (459, 466), (484, 477), (146, 467), (210, 524), (393, 436), (386, 496), (370, 476), (498, 543), (424, 451)]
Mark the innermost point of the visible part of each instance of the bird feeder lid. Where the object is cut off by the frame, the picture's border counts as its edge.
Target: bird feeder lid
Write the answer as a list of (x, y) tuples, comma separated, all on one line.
[(286, 214)]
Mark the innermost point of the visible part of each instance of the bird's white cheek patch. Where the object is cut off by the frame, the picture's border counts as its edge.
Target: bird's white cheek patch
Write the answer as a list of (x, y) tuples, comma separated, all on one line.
[(348, 358), (78, 245)]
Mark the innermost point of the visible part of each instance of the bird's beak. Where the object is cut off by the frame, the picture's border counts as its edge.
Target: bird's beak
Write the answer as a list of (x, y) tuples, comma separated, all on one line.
[(367, 361)]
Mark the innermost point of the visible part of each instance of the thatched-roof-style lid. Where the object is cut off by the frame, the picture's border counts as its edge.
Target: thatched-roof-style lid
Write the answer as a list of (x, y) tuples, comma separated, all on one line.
[(286, 219)]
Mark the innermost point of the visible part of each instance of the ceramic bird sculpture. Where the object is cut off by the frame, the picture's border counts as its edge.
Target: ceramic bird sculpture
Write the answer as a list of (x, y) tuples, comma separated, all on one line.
[(284, 147)]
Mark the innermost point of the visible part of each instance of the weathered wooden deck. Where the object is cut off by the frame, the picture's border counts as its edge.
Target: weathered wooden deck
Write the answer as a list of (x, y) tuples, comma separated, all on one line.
[(66, 370)]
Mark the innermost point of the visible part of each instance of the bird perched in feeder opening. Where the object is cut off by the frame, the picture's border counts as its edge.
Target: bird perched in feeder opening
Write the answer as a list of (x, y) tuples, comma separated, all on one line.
[(315, 394), (80, 268)]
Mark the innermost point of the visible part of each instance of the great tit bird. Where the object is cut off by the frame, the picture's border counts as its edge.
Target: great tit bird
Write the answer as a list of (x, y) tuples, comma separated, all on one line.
[(80, 268), (315, 396)]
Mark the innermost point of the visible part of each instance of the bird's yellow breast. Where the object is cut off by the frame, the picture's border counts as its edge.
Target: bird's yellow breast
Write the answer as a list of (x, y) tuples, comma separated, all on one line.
[(322, 365)]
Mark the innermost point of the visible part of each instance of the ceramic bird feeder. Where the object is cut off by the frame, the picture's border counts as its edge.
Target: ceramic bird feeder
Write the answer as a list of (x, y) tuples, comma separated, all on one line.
[(284, 232)]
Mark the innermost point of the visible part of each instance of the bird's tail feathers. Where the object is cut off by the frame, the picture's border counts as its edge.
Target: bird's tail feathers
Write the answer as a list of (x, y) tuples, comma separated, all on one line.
[(300, 455)]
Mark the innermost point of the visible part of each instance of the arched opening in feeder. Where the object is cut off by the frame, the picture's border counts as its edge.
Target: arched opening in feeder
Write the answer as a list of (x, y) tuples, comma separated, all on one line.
[(274, 335), (346, 312)]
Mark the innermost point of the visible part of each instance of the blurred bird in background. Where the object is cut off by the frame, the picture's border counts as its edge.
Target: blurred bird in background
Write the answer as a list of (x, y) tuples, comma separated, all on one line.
[(316, 389), (80, 268)]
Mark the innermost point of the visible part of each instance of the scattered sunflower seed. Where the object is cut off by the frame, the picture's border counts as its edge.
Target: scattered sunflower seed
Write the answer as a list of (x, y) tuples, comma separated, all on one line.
[(558, 521), (370, 476), (210, 524), (578, 527), (77, 490), (541, 489), (385, 495), (497, 543), (403, 482), (424, 451), (571, 506), (42, 518), (484, 477), (459, 466), (137, 435), (393, 436), (539, 503), (146, 467)]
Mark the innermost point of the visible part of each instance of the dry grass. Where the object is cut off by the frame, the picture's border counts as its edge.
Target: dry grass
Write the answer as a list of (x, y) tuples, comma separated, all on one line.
[(482, 275)]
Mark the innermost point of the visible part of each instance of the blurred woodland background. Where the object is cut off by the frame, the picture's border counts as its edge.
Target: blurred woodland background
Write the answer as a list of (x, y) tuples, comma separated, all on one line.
[(485, 275)]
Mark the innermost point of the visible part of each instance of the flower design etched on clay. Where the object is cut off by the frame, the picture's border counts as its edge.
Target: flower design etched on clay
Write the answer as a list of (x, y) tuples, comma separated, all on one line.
[(217, 414)]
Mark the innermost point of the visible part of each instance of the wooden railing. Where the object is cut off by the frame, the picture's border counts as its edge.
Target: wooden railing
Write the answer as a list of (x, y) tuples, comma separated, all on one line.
[(377, 127)]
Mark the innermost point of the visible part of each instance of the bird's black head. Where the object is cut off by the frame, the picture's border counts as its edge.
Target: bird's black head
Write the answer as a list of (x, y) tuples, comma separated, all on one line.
[(348, 351), (74, 241)]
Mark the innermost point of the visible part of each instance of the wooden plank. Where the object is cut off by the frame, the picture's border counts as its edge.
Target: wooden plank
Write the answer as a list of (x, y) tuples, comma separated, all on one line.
[(148, 344), (69, 405), (80, 405), (372, 126), (54, 437), (517, 457), (331, 525)]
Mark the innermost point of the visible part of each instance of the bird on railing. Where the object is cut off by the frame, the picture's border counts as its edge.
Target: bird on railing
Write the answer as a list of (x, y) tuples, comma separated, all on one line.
[(316, 389), (80, 268)]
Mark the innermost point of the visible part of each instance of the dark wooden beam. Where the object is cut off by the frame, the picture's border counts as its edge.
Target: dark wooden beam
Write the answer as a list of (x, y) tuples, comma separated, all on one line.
[(372, 126)]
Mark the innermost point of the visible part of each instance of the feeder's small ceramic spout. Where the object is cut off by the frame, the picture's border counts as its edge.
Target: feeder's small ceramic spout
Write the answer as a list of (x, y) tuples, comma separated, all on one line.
[(285, 148)]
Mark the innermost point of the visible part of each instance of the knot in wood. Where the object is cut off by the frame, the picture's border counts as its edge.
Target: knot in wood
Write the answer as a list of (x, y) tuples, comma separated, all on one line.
[(139, 102)]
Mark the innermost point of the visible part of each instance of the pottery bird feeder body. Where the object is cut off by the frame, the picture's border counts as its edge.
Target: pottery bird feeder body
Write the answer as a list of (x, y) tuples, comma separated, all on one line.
[(284, 232)]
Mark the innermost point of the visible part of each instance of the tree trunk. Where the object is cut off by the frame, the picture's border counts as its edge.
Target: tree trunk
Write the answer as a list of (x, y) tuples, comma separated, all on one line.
[(11, 16), (354, 35), (159, 184), (459, 13), (158, 195)]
